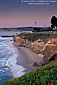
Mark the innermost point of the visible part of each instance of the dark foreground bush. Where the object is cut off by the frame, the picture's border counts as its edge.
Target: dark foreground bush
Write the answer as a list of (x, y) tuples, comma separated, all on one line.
[(46, 75)]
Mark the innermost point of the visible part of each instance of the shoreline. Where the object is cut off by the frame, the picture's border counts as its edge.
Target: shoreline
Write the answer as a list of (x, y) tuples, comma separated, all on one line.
[(26, 57)]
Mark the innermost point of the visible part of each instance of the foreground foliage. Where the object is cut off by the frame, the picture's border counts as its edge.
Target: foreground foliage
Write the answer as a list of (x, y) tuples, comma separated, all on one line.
[(46, 75)]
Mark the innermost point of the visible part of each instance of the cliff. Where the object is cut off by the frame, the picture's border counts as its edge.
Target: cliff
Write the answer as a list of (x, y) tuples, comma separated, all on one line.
[(47, 48)]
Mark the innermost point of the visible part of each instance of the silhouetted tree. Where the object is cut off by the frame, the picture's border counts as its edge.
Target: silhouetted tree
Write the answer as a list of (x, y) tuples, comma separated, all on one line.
[(38, 29), (54, 21), (49, 29)]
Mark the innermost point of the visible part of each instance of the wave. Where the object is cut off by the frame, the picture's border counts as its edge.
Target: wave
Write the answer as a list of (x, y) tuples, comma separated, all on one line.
[(17, 70), (9, 60)]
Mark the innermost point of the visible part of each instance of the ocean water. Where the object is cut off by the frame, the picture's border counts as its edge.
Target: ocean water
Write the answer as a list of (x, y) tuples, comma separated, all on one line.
[(9, 32), (8, 67)]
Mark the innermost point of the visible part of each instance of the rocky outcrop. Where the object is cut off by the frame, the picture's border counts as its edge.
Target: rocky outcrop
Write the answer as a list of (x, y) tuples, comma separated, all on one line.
[(35, 64), (21, 42), (37, 46), (49, 50), (54, 41)]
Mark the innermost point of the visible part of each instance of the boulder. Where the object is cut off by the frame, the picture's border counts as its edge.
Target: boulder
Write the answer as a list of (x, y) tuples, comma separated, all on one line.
[(35, 64)]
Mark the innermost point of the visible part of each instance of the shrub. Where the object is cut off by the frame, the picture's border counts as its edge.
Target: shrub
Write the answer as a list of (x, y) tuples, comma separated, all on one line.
[(46, 75)]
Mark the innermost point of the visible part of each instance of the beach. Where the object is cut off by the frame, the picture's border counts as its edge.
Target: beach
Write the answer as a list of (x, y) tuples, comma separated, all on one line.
[(26, 57)]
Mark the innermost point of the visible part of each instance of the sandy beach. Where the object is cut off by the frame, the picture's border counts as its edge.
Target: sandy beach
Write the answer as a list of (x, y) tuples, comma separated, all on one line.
[(26, 57)]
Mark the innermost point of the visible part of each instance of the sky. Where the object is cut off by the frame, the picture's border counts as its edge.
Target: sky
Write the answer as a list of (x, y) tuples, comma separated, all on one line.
[(14, 13)]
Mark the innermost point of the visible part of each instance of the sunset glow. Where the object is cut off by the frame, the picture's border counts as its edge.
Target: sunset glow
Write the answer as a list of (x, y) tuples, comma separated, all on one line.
[(15, 14)]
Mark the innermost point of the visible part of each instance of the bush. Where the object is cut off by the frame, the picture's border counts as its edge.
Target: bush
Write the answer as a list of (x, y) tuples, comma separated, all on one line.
[(46, 75), (34, 36)]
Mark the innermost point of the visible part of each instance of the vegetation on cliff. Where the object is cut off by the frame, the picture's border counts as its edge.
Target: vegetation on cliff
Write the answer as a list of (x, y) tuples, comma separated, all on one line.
[(35, 36), (46, 75)]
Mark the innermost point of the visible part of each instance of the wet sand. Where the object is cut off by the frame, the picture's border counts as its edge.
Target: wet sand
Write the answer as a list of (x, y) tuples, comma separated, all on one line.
[(26, 57)]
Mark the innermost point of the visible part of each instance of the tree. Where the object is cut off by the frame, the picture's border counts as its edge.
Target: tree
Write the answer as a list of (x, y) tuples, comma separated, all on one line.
[(53, 21), (38, 29), (49, 29)]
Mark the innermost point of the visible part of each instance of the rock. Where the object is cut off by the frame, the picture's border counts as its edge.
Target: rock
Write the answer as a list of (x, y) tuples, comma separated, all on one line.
[(35, 64), (21, 41), (49, 42), (37, 46), (39, 40), (41, 56), (48, 51), (54, 40), (27, 43)]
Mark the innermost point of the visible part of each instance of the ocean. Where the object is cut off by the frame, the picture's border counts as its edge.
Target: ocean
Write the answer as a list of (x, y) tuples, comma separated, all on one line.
[(5, 53), (8, 67), (2, 33)]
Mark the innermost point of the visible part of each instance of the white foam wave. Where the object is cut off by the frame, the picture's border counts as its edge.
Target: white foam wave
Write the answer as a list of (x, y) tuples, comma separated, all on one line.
[(6, 69), (16, 70), (4, 38), (0, 70)]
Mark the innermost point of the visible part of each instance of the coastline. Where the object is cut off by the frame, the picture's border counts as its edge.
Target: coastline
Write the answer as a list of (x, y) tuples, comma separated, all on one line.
[(26, 57)]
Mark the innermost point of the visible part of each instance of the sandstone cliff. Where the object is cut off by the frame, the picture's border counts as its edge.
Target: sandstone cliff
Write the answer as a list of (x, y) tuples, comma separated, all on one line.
[(48, 50)]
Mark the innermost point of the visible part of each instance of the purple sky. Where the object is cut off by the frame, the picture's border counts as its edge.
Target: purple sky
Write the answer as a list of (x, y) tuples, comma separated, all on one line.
[(13, 13)]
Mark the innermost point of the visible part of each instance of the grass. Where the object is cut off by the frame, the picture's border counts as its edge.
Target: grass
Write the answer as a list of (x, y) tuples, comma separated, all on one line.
[(46, 75), (33, 37)]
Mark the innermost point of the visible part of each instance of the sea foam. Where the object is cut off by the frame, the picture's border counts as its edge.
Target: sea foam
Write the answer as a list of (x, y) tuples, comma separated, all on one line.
[(17, 70)]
